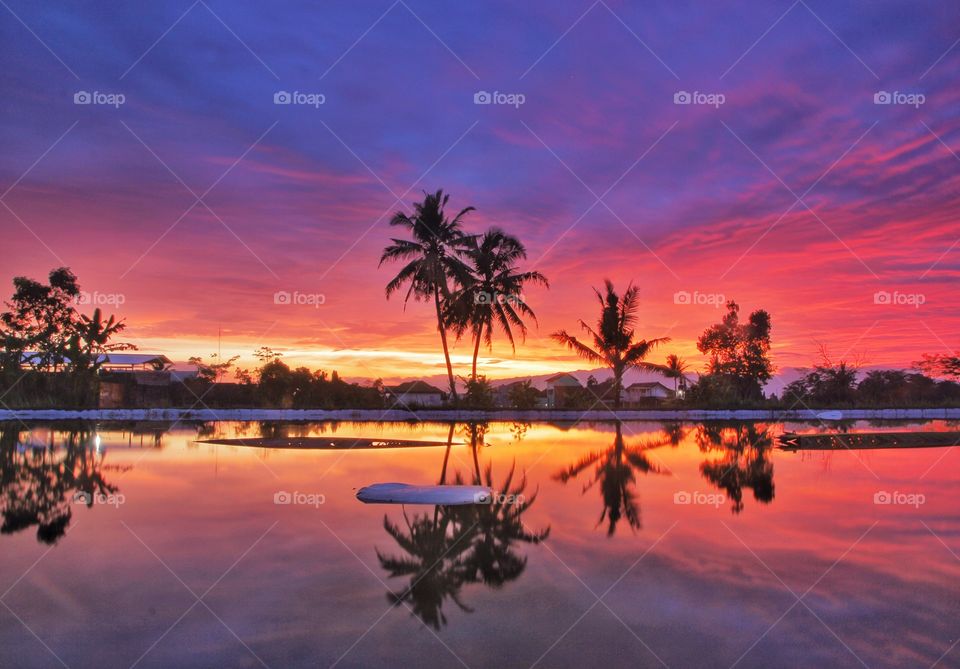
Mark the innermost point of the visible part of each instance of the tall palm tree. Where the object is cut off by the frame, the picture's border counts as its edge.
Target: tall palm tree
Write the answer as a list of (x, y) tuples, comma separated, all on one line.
[(432, 259), (495, 292), (613, 339), (675, 368)]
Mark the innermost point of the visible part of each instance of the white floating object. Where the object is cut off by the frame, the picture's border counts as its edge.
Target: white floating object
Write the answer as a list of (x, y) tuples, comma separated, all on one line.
[(830, 415), (402, 493)]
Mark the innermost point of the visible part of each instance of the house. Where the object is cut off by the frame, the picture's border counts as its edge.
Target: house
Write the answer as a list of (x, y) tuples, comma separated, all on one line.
[(415, 394), (134, 380), (646, 392), (561, 388), (601, 395), (501, 395), (113, 362), (131, 362)]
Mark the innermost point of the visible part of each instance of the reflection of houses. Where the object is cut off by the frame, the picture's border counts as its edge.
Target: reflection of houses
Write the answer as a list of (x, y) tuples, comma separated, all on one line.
[(562, 389), (415, 394), (639, 393)]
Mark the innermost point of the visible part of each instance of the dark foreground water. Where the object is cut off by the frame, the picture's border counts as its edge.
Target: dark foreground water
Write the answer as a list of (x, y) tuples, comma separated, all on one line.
[(666, 545)]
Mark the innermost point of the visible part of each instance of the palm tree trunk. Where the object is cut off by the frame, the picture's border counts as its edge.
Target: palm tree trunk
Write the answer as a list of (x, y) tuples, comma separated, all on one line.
[(443, 340), (476, 352), (446, 456), (476, 459), (617, 388)]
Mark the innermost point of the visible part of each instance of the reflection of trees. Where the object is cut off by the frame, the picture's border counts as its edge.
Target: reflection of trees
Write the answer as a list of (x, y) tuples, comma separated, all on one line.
[(496, 528), (614, 469), (38, 483), (459, 545), (519, 430), (745, 464), (434, 548)]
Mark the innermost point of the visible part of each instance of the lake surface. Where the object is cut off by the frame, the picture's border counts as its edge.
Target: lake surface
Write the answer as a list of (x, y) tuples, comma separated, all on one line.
[(679, 545)]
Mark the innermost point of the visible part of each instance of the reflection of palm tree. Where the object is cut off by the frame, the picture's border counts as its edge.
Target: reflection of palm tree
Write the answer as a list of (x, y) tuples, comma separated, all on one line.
[(435, 565), (745, 463), (496, 527), (613, 339), (674, 432), (614, 472), (39, 485), (458, 545)]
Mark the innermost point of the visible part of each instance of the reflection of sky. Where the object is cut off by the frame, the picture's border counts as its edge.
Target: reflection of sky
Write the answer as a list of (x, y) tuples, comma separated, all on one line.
[(296, 212), (701, 597)]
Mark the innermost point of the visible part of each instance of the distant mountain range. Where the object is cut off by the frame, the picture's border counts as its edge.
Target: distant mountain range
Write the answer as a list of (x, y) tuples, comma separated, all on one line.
[(776, 385)]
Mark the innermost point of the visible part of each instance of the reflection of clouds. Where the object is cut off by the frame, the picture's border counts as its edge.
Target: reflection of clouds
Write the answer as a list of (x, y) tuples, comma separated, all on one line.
[(698, 599)]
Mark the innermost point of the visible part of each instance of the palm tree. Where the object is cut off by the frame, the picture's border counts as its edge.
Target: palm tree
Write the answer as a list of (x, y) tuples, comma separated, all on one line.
[(495, 292), (432, 257), (613, 339), (675, 369)]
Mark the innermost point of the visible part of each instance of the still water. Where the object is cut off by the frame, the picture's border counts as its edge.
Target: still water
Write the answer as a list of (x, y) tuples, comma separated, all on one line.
[(678, 545)]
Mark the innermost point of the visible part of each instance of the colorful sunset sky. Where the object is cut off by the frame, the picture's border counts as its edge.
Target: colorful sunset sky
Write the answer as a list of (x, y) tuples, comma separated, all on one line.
[(198, 199)]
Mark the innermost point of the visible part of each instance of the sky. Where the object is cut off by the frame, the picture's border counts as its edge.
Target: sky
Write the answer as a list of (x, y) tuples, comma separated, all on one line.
[(813, 172)]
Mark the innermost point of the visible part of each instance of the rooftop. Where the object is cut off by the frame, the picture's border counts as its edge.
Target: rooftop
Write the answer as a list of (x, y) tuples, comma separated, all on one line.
[(415, 388)]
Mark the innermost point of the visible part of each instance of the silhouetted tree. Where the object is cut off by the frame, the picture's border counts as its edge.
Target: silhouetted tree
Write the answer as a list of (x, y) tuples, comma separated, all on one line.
[(432, 258), (612, 341), (739, 352), (494, 292)]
